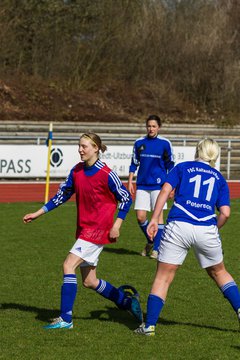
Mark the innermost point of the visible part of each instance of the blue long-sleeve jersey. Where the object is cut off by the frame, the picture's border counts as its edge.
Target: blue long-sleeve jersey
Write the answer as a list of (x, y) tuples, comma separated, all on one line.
[(199, 189), (67, 189), (153, 157)]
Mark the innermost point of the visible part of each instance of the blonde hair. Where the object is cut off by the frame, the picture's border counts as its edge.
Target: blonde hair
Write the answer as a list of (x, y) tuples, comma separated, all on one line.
[(95, 140), (207, 150)]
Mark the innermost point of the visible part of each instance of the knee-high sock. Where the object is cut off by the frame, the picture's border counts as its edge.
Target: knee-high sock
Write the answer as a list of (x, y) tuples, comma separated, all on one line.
[(154, 307), (108, 291), (143, 227), (68, 295), (157, 239), (231, 293)]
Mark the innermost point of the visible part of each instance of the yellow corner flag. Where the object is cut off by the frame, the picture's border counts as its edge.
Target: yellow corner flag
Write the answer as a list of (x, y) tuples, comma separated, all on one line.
[(49, 144)]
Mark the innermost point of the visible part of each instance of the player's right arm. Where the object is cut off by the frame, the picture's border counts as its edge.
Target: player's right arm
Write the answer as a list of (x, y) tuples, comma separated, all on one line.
[(133, 167), (65, 191), (152, 228), (30, 217)]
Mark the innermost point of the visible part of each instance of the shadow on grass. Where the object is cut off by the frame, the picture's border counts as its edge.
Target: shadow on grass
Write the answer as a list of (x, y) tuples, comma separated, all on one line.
[(121, 251), (42, 313), (237, 347), (111, 314), (171, 322)]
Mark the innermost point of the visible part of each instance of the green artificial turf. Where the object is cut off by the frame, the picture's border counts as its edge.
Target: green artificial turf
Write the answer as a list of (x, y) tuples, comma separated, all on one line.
[(196, 321)]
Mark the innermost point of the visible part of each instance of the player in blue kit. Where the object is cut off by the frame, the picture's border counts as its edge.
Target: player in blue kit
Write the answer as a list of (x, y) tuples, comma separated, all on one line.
[(153, 157), (192, 222)]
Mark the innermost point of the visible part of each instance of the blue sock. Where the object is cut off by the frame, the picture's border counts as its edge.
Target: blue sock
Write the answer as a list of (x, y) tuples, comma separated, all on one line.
[(143, 227), (158, 236), (111, 293), (154, 307), (68, 294), (231, 293)]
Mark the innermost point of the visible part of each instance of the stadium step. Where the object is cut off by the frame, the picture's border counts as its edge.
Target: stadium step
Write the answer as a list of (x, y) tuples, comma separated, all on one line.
[(17, 132)]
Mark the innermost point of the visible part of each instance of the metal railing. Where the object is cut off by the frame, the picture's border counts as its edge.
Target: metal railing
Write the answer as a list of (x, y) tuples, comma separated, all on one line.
[(227, 166)]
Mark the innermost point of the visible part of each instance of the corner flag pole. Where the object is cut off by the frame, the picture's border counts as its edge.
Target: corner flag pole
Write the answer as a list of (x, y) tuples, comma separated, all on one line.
[(49, 144)]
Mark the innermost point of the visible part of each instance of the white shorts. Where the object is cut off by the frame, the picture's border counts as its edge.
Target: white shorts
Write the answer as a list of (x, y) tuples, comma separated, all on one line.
[(87, 251), (178, 237), (146, 200)]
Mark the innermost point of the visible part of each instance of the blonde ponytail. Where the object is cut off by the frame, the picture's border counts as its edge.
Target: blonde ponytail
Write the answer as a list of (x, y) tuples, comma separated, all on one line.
[(207, 150)]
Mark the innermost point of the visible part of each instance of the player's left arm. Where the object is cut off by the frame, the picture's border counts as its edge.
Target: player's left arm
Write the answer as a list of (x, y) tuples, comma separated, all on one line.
[(224, 213), (223, 204), (115, 230), (168, 156), (123, 196)]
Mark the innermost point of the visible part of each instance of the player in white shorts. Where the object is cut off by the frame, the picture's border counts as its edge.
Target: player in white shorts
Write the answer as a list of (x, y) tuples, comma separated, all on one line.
[(192, 222), (98, 190), (153, 157)]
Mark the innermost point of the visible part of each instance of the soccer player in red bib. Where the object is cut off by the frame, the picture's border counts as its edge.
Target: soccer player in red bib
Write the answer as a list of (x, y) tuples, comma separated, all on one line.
[(98, 190)]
